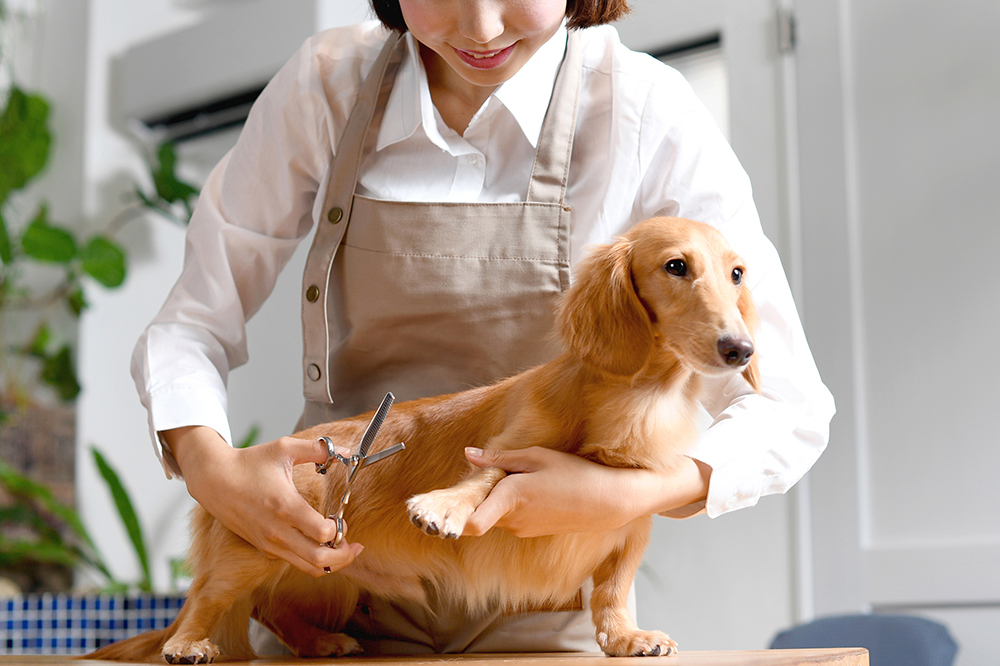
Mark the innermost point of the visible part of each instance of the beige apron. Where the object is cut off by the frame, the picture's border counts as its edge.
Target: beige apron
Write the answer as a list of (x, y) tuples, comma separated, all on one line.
[(432, 298)]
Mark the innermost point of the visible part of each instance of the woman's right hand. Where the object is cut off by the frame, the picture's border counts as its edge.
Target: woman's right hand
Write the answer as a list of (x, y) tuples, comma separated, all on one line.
[(251, 492)]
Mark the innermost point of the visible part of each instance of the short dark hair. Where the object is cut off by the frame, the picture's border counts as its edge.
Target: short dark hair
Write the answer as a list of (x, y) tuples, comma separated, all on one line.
[(579, 13)]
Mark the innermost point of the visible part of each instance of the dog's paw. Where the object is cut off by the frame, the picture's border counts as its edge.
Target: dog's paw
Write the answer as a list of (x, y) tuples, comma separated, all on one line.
[(329, 645), (190, 652), (438, 514), (637, 644)]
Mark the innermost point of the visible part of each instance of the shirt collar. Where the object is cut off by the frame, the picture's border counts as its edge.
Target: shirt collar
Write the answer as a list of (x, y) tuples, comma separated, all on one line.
[(409, 105), (520, 93), (403, 111)]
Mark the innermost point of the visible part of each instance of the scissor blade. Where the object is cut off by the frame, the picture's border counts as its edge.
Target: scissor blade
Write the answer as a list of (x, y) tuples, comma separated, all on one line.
[(384, 453), (376, 424)]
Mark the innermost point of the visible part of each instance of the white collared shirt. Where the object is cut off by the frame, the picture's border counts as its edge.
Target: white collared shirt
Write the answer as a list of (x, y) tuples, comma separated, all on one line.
[(644, 146)]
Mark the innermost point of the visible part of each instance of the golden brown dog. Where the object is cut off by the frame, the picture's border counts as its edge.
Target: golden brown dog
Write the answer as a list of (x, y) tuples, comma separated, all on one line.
[(646, 317)]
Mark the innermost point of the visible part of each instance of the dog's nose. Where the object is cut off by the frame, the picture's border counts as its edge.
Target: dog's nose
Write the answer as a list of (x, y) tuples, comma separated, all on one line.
[(735, 351)]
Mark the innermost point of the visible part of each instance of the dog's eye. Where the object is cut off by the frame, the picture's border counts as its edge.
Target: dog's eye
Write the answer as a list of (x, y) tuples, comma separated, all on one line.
[(676, 267), (737, 276)]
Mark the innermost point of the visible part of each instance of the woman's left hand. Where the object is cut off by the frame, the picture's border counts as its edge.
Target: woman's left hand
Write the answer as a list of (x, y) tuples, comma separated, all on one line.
[(551, 492)]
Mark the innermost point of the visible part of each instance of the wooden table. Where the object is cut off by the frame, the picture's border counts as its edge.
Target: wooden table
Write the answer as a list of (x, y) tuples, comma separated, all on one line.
[(835, 657)]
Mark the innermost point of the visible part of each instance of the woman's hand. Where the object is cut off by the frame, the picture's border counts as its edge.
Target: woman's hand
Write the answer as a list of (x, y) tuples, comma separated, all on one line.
[(551, 492), (251, 492)]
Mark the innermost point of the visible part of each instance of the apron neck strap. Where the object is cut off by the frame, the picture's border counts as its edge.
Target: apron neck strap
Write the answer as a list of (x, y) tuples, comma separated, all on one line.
[(361, 132), (550, 172)]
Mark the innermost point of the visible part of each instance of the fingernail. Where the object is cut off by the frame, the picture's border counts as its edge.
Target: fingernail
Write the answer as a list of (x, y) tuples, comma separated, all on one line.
[(474, 452)]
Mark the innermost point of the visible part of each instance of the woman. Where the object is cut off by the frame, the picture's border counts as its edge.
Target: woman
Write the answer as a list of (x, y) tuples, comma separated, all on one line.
[(452, 185)]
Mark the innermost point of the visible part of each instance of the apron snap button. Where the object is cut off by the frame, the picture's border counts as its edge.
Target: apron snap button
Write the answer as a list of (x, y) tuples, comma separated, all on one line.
[(335, 215), (313, 372), (312, 294)]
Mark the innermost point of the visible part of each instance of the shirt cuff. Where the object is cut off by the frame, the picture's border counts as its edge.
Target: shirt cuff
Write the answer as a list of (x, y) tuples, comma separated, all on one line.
[(736, 481), (689, 511), (181, 406)]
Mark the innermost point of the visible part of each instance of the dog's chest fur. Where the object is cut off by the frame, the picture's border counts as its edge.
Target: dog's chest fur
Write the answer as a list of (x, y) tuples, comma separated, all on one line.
[(649, 426)]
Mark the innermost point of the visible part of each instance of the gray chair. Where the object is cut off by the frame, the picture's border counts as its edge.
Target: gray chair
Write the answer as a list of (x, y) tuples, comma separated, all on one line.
[(891, 640)]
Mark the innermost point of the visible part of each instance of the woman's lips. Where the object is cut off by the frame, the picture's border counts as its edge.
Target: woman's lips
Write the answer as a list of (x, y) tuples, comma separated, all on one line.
[(485, 59)]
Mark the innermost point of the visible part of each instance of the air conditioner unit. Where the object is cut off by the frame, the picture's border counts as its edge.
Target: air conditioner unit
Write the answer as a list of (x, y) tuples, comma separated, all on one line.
[(206, 77)]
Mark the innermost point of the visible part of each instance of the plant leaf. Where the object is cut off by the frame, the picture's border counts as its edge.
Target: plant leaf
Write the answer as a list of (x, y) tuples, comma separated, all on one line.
[(40, 342), (76, 302), (37, 551), (58, 372), (25, 514), (104, 260), (21, 486), (251, 437), (127, 513), (6, 253), (24, 140), (168, 186), (45, 242)]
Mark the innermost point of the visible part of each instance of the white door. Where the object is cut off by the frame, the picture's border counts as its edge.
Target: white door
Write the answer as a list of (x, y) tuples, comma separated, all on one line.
[(729, 583), (898, 110)]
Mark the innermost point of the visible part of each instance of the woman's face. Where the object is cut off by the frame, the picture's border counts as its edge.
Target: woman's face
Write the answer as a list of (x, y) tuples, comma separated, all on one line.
[(480, 42)]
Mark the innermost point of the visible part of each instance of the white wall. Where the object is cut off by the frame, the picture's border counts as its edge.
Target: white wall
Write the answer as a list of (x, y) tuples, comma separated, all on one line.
[(109, 415)]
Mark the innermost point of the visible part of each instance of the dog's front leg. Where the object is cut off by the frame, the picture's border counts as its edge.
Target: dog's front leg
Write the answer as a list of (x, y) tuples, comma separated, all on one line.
[(444, 512), (617, 633)]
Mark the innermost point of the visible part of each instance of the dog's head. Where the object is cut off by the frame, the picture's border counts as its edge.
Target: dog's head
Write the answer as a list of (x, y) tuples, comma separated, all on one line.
[(669, 284)]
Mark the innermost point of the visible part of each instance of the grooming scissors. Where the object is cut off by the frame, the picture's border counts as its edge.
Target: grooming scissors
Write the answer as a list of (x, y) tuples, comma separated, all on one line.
[(359, 459)]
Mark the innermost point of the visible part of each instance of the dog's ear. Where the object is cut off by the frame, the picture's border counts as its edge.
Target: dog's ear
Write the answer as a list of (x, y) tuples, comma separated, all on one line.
[(749, 312), (601, 318)]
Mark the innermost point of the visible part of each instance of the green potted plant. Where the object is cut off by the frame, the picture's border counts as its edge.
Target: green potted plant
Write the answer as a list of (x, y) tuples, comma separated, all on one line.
[(71, 623), (45, 266)]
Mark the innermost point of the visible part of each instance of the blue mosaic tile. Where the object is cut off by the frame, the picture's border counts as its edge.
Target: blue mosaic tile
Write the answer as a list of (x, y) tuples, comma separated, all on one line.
[(74, 625)]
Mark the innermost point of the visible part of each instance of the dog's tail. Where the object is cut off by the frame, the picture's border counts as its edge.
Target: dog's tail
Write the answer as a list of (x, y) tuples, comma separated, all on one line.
[(144, 648)]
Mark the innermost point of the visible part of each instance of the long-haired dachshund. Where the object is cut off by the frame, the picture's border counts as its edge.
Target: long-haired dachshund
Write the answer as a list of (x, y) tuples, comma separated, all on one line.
[(645, 319)]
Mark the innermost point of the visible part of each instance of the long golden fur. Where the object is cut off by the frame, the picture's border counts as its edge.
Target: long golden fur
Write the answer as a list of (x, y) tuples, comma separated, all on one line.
[(646, 318)]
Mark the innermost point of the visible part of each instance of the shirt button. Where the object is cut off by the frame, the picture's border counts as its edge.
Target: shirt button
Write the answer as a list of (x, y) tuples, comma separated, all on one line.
[(472, 159), (313, 373), (335, 215), (312, 294)]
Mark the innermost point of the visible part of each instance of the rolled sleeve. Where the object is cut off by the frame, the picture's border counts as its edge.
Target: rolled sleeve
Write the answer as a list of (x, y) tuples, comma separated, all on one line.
[(762, 444), (757, 444), (254, 210)]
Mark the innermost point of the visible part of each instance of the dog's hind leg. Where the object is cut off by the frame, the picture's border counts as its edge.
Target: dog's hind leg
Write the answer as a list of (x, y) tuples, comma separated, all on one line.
[(306, 614), (191, 643), (617, 633), (218, 605)]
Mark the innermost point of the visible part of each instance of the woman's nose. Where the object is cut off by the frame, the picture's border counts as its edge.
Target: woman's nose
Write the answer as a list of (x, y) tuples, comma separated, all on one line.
[(481, 20)]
